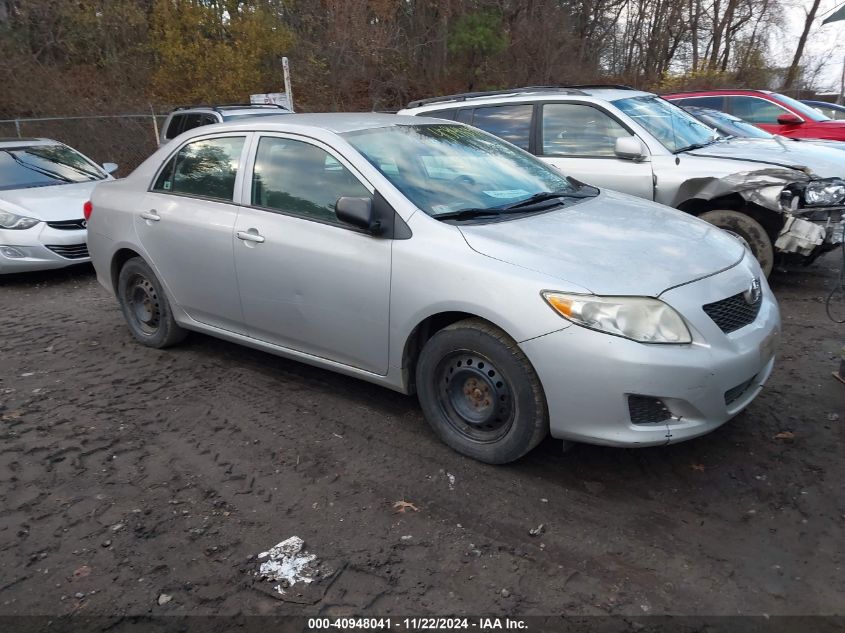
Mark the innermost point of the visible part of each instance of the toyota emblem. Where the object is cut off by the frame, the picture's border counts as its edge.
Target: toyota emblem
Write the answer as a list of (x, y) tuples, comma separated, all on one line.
[(754, 292)]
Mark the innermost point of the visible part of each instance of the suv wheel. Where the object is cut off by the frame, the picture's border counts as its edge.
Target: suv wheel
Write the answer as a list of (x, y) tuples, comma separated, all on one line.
[(480, 394), (145, 306), (748, 229)]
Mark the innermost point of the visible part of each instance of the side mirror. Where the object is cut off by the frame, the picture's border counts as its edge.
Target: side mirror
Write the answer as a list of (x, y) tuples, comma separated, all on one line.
[(357, 212), (790, 119), (110, 168), (629, 148)]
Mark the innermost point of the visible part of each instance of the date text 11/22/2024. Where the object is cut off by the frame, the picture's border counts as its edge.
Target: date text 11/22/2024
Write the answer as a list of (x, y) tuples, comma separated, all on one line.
[(418, 624)]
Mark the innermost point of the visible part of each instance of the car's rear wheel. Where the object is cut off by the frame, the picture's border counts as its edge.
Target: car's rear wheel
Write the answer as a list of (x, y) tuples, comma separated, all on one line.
[(145, 306), (480, 393), (750, 230)]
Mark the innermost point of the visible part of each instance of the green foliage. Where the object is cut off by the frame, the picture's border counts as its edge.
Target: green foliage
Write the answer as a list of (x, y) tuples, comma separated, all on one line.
[(478, 35)]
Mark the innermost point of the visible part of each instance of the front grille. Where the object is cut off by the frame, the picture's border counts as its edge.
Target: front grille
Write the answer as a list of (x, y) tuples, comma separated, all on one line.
[(647, 410), (734, 394), (68, 225), (70, 251), (734, 312)]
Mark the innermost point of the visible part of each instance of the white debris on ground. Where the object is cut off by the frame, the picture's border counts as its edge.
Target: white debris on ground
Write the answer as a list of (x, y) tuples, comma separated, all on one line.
[(451, 479), (287, 564)]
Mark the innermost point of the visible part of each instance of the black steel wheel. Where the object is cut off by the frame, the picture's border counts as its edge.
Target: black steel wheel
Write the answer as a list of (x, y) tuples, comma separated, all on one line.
[(145, 306), (474, 396), (480, 393)]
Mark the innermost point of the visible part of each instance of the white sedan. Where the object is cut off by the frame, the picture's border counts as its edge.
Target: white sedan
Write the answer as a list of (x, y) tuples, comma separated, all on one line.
[(44, 186)]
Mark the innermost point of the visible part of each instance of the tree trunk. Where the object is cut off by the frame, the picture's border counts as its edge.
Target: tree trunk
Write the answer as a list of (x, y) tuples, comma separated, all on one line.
[(792, 74)]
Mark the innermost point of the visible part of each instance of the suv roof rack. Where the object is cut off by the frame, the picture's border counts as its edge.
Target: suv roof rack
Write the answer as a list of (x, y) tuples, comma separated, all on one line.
[(463, 96), (229, 106), (613, 86)]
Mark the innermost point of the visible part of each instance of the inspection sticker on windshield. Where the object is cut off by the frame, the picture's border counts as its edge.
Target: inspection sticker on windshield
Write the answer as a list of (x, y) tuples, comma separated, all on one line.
[(508, 193)]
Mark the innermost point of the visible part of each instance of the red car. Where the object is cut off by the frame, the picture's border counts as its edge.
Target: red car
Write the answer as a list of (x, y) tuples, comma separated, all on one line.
[(773, 112)]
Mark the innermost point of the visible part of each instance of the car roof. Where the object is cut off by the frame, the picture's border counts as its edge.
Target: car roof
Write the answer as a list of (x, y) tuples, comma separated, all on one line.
[(540, 93), (17, 142), (336, 122), (721, 91)]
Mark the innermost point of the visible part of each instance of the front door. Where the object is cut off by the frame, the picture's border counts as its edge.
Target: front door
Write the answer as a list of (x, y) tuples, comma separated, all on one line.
[(185, 223), (308, 282), (579, 139)]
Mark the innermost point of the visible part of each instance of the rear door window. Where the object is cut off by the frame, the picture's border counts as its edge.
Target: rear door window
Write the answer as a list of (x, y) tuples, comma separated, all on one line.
[(205, 169), (174, 128), (714, 103), (509, 122)]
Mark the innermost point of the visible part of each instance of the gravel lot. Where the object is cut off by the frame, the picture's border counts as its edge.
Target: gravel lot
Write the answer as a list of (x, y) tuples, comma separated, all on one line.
[(138, 481)]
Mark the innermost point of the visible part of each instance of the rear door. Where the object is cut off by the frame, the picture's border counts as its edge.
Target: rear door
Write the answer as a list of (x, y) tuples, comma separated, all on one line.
[(308, 282), (185, 224), (579, 139)]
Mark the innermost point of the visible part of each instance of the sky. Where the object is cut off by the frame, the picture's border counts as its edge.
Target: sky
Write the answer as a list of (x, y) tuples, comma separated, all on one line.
[(824, 41)]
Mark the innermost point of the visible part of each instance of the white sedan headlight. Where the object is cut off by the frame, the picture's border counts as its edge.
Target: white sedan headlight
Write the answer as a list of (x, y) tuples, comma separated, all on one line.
[(823, 193), (641, 319), (13, 221)]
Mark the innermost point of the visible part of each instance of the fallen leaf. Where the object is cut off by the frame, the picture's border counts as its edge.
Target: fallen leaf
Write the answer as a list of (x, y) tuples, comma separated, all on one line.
[(82, 572), (698, 467), (785, 435), (402, 506)]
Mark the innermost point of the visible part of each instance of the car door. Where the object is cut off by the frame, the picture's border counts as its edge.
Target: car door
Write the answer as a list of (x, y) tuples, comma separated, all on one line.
[(760, 112), (579, 139), (186, 222), (308, 282)]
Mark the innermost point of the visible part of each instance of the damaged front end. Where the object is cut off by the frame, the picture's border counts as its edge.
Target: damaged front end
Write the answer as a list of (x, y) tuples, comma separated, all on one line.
[(812, 209), (814, 218)]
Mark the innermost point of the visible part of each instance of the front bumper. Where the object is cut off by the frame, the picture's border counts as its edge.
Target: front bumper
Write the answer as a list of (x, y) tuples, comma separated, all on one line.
[(588, 376), (41, 248)]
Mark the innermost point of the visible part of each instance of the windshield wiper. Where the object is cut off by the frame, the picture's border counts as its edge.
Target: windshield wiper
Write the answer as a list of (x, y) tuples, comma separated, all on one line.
[(466, 214), (694, 146), (548, 196), (36, 168)]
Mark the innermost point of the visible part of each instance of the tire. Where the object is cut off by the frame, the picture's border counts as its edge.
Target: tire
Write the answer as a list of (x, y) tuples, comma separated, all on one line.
[(145, 306), (480, 394), (750, 230)]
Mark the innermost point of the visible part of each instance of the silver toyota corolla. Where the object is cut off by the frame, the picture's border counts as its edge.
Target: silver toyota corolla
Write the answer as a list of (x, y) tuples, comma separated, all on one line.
[(431, 257)]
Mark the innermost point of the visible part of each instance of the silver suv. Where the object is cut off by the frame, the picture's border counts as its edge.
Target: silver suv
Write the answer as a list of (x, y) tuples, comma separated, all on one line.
[(186, 118), (637, 143)]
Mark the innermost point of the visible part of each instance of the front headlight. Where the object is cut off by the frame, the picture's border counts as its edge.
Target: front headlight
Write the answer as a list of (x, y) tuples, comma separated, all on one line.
[(823, 193), (641, 319), (16, 222)]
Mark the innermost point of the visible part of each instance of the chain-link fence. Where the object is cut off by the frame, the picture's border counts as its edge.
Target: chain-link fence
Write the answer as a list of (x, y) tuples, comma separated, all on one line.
[(125, 139)]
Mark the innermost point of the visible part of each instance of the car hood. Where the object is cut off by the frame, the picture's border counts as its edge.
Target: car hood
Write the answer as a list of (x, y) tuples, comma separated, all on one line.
[(613, 244), (814, 160), (52, 203)]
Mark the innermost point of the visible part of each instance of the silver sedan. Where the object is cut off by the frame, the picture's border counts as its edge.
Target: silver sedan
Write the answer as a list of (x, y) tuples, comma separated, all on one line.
[(431, 257)]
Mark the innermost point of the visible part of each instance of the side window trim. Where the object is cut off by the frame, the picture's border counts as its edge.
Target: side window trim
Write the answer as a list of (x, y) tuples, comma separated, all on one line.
[(249, 168), (540, 150), (239, 177)]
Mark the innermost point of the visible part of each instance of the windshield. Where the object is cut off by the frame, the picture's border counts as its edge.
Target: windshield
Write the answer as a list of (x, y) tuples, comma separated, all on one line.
[(808, 112), (728, 125), (446, 168), (668, 123), (27, 166)]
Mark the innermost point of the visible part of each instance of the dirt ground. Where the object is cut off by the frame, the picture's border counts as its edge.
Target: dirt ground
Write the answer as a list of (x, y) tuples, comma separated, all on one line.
[(129, 474)]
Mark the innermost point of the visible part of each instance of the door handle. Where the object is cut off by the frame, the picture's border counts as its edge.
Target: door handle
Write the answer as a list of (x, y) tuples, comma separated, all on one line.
[(151, 215), (250, 236)]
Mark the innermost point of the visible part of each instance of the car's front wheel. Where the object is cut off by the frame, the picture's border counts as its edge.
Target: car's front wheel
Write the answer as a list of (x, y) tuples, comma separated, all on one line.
[(750, 230), (145, 306), (480, 393)]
